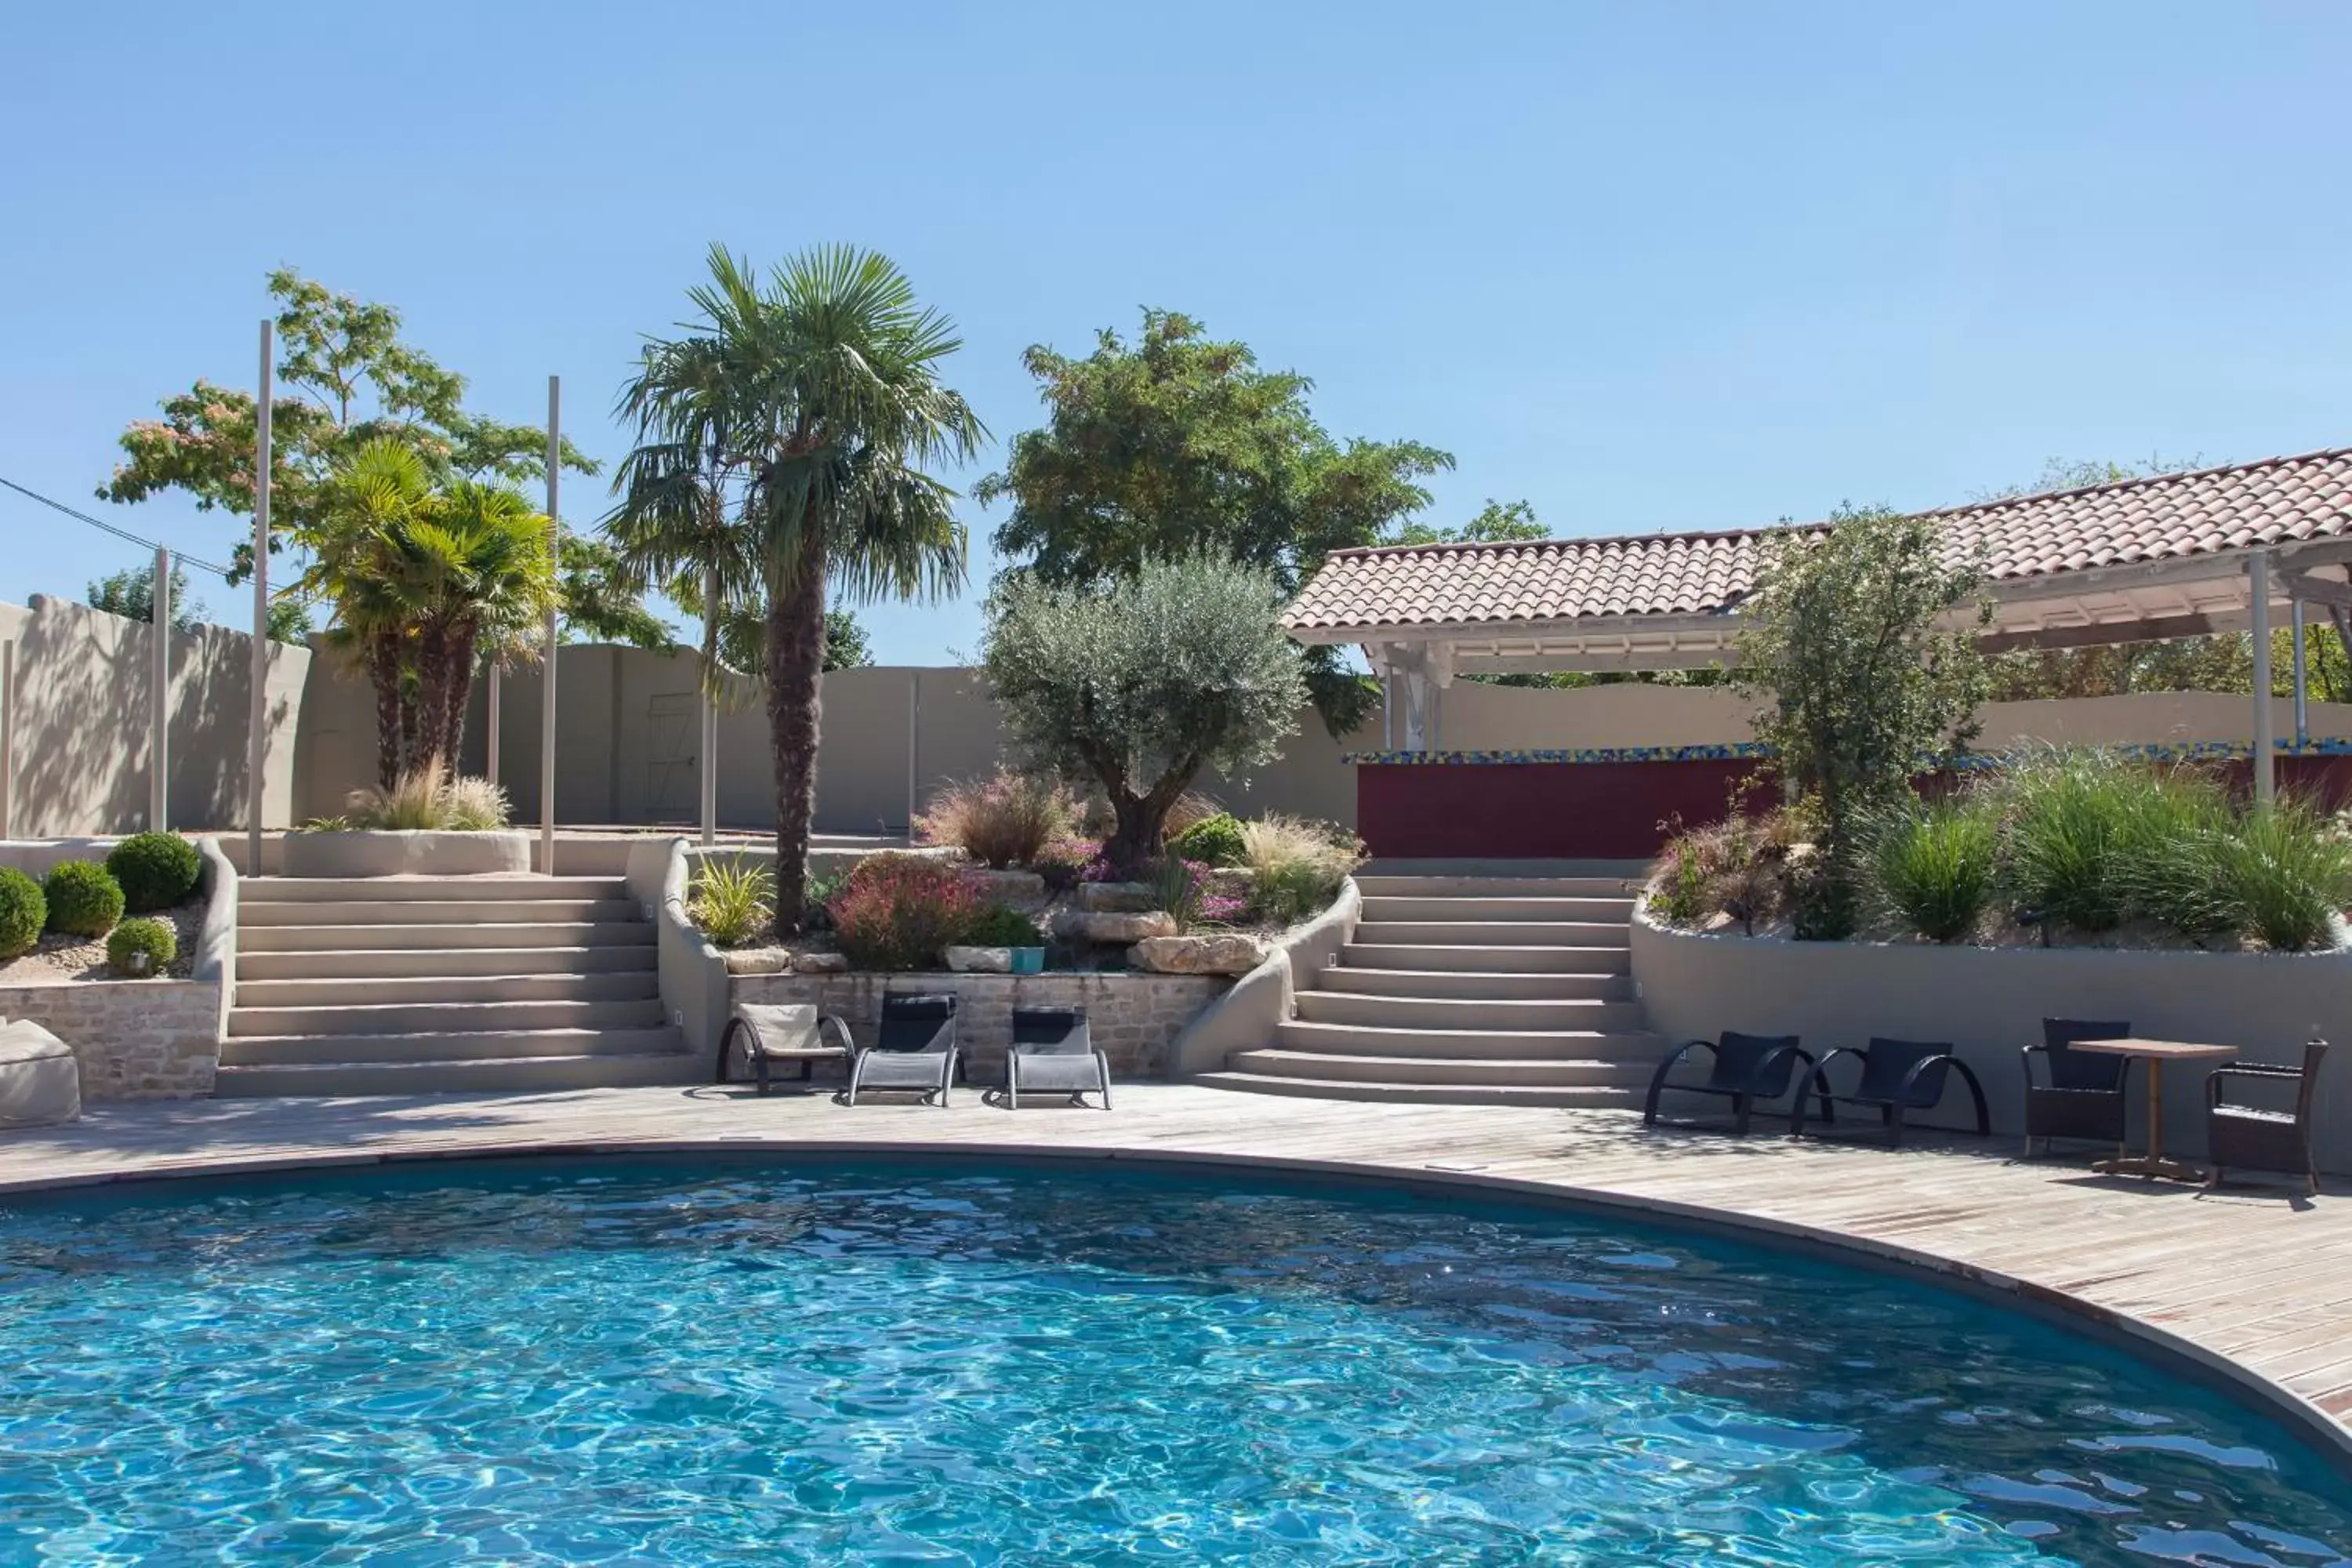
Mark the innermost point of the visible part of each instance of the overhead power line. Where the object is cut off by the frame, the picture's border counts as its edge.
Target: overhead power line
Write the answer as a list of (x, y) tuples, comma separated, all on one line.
[(121, 534)]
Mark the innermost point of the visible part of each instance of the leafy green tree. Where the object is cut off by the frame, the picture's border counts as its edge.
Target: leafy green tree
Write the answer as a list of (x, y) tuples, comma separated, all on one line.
[(1848, 642), (744, 640), (1139, 685), (1180, 443), (1497, 523), (815, 400), (130, 594), (600, 602)]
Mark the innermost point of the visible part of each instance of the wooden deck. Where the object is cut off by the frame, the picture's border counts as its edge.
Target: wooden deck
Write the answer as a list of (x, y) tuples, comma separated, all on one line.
[(2253, 1283)]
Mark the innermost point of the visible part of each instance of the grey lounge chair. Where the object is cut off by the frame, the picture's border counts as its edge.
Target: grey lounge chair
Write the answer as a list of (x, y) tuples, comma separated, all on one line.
[(1745, 1068), (1896, 1075), (915, 1047), (1052, 1052), (771, 1033)]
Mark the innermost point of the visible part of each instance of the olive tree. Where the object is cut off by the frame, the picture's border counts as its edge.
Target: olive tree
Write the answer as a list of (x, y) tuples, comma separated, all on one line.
[(1860, 644), (1141, 684)]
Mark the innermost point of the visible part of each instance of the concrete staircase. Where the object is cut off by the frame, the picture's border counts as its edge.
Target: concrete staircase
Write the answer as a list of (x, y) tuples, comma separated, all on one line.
[(445, 984), (1471, 989)]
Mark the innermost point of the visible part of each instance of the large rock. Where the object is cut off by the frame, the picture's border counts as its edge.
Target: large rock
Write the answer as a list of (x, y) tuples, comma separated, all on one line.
[(1217, 953), (758, 960), (980, 960), (1124, 898), (821, 963), (1020, 889), (1110, 925)]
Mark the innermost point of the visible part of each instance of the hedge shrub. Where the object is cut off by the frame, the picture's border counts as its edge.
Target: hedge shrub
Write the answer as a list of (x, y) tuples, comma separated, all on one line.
[(132, 938), (1211, 841), (156, 870), (23, 910), (83, 899)]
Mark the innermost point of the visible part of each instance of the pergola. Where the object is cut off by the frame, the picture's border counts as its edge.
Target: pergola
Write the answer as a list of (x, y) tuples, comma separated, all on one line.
[(2212, 550)]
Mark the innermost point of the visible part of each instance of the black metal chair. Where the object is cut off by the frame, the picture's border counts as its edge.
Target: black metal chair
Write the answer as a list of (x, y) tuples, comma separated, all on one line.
[(914, 1047), (2250, 1138), (2084, 1095), (1897, 1075), (1052, 1052), (1745, 1068)]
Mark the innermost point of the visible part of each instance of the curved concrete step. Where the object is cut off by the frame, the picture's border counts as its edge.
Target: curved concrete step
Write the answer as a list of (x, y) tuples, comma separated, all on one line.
[(1389, 908), (620, 985), (1456, 1013), (445, 1049), (1599, 887), (1369, 1040), (1365, 953), (543, 1075), (385, 938), (1422, 1093), (444, 1017), (429, 890), (1500, 934), (1492, 1071), (339, 963), (1470, 983), (430, 911)]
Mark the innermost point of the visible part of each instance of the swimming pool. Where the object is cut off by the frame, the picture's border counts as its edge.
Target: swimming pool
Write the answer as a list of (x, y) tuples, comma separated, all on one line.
[(852, 1362)]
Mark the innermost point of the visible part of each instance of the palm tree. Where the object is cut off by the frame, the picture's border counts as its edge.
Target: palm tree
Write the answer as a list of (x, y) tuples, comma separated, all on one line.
[(817, 396), (675, 527)]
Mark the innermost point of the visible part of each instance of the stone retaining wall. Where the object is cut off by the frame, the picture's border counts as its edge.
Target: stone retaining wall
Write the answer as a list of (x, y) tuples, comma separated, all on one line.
[(1132, 1017), (135, 1039)]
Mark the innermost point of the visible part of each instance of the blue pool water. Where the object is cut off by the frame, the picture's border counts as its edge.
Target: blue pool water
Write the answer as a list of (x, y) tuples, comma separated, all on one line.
[(856, 1363)]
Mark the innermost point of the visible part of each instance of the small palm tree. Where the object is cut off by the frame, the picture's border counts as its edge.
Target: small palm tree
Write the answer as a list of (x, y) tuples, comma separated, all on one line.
[(816, 397)]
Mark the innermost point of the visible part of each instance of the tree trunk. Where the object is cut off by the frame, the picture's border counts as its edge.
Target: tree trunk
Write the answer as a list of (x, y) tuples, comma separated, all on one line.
[(458, 693), (383, 674), (1140, 822), (795, 660)]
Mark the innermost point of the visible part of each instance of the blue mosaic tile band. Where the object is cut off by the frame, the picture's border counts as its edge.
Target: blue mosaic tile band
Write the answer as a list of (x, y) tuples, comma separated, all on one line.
[(2147, 751)]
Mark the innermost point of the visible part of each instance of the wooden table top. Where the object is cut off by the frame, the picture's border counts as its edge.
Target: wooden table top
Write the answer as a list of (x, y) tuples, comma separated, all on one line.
[(2157, 1050)]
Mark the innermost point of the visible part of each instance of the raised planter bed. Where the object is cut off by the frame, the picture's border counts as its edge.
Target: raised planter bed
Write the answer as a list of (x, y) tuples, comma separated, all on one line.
[(346, 852)]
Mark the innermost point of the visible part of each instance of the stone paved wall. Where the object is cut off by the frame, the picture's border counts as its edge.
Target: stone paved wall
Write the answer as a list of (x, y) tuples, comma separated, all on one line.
[(136, 1039), (1132, 1016)]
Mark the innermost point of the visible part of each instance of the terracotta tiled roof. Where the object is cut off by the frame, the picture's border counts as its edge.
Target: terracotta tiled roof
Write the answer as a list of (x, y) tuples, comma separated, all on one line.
[(2168, 517)]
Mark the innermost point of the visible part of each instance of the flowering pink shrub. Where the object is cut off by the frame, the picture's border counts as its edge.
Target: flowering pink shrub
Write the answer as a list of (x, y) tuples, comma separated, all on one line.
[(901, 911), (1064, 862), (1222, 908)]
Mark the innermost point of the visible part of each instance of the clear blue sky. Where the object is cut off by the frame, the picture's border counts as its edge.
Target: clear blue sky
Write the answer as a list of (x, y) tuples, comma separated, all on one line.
[(1649, 267)]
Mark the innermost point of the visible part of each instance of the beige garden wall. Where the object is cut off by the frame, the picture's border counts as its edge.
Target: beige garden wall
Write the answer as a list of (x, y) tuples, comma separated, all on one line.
[(80, 730)]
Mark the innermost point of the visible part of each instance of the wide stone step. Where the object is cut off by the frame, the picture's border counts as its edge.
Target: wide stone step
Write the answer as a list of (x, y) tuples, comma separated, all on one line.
[(421, 911), (389, 938), (471, 1046), (1494, 933), (547, 1074), (1493, 911), (1492, 1071), (1591, 960), (1465, 1012), (1472, 984), (1380, 886), (444, 1017), (442, 962), (1637, 1045), (1594, 1096), (622, 985), (428, 890)]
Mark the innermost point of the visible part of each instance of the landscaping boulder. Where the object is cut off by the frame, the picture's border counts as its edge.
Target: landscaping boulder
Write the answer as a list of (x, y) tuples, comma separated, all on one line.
[(1217, 953), (821, 963), (980, 960), (1109, 926), (757, 961), (1125, 897), (1019, 889)]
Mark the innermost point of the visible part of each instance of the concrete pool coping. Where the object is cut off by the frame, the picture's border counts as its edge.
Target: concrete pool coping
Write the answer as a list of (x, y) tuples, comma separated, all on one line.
[(2156, 1270)]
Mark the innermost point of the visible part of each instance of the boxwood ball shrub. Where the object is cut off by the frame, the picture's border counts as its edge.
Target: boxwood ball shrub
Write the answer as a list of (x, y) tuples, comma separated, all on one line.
[(23, 910), (84, 899), (155, 870), (1211, 841), (137, 939)]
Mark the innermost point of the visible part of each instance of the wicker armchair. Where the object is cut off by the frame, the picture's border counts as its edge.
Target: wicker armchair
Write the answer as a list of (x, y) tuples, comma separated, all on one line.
[(2083, 1096), (2251, 1138)]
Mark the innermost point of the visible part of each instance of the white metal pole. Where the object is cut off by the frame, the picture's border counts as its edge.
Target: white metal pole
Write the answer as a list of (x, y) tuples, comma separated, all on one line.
[(547, 666), (8, 739), (492, 721), (710, 759), (257, 722), (2257, 583), (159, 622), (2302, 682)]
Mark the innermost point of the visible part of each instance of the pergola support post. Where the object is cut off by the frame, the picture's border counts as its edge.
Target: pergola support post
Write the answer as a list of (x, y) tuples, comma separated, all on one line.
[(2302, 683), (2258, 607)]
